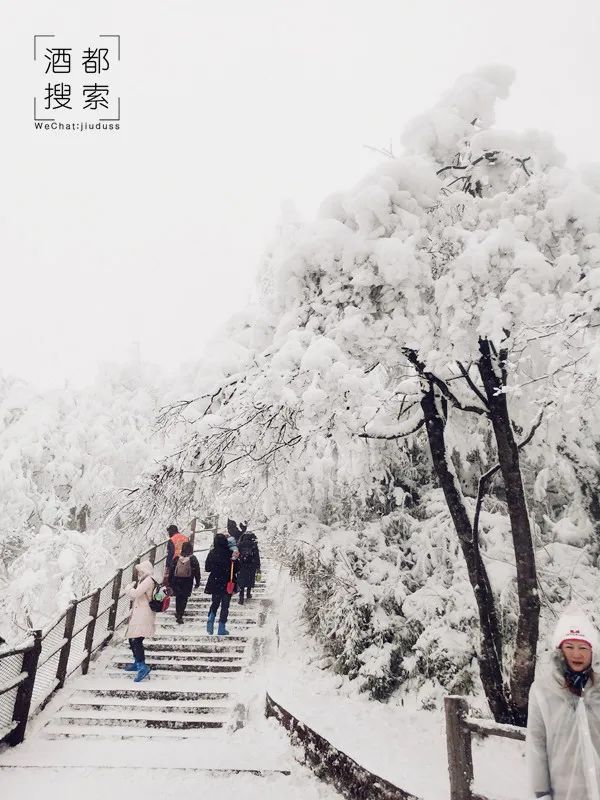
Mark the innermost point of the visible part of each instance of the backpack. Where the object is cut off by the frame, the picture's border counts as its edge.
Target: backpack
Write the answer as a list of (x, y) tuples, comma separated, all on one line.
[(183, 567), (160, 598), (246, 547)]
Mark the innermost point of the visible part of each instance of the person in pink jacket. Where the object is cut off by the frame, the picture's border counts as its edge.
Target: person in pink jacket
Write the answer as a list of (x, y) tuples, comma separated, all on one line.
[(142, 621)]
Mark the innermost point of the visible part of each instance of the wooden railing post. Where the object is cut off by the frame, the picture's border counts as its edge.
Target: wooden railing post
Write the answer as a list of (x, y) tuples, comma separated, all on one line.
[(89, 634), (116, 593), (25, 691), (63, 660), (458, 742), (152, 555), (193, 532)]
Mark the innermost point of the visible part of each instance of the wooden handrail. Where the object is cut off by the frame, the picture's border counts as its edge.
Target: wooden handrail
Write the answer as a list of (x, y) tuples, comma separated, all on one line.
[(459, 729)]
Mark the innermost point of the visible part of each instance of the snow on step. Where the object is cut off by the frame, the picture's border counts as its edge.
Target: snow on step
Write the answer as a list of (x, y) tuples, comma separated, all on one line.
[(83, 702), (172, 676), (138, 718), (200, 646), (55, 730), (184, 666), (178, 655)]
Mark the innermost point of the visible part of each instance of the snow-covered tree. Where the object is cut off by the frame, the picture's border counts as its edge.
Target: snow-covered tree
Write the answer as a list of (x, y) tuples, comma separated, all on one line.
[(446, 303), (66, 458)]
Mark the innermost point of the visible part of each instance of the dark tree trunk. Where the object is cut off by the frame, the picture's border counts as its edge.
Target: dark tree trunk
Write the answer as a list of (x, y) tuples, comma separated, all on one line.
[(492, 369), (490, 662)]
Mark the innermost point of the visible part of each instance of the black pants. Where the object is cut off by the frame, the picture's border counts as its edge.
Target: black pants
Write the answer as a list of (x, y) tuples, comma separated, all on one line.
[(137, 648), (220, 599), (180, 604), (242, 590)]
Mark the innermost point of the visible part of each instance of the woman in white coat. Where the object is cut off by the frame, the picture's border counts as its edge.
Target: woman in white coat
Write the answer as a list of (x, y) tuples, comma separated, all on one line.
[(563, 728), (142, 620)]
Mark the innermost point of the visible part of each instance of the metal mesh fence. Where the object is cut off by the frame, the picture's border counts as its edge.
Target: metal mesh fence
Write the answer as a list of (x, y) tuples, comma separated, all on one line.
[(10, 669), (122, 609), (7, 704), (45, 682), (104, 606), (45, 677), (79, 630), (161, 555)]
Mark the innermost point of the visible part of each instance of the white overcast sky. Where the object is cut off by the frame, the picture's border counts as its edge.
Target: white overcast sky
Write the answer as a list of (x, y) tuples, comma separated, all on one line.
[(153, 235)]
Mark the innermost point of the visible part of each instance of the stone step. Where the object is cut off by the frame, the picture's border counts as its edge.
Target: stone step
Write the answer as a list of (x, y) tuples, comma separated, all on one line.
[(221, 646), (142, 693), (133, 704), (255, 601), (182, 665), (207, 598), (176, 655), (201, 615), (168, 673), (196, 635), (57, 730), (199, 620), (138, 719)]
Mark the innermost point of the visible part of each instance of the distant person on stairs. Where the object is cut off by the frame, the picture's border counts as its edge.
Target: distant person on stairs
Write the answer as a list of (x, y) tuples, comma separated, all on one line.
[(233, 530), (221, 566), (174, 545), (249, 564), (142, 620), (185, 571)]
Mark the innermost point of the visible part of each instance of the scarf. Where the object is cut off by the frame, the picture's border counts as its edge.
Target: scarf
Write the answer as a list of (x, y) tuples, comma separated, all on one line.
[(577, 680)]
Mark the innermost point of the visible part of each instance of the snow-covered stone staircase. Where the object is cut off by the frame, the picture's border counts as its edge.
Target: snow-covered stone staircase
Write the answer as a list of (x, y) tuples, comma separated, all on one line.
[(195, 726), (191, 688)]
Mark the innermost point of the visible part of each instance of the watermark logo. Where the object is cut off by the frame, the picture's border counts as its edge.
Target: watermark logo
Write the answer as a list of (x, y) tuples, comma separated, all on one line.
[(78, 84)]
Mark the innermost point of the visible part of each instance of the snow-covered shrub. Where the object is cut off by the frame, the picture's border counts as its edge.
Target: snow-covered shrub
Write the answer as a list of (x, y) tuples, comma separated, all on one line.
[(66, 457)]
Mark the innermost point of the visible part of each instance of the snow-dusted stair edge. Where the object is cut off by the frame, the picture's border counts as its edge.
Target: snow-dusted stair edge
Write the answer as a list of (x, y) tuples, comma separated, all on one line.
[(332, 765)]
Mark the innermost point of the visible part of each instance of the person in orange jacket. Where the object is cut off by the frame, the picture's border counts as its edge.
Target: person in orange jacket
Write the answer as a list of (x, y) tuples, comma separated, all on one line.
[(174, 545)]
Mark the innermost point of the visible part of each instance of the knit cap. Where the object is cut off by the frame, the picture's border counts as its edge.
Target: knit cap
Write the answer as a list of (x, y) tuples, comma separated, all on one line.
[(574, 625)]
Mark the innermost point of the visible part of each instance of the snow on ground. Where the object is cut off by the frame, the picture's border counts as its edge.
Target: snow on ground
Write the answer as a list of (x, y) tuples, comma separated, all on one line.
[(406, 746), (155, 784)]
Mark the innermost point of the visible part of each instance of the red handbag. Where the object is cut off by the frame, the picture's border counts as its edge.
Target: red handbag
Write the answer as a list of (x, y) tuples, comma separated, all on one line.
[(231, 583)]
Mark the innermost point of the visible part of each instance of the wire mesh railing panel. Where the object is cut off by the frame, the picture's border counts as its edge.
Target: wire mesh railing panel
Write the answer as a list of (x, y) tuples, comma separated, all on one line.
[(45, 676), (161, 554), (104, 606), (51, 642), (122, 609), (45, 681), (10, 670), (7, 706), (79, 630)]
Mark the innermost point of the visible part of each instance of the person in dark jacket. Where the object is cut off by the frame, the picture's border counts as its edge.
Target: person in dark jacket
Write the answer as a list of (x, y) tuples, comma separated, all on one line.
[(249, 564), (219, 565), (185, 571), (174, 545), (233, 530)]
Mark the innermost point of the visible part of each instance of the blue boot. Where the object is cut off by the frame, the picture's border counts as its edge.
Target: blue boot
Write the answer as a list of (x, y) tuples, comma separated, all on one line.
[(210, 624), (132, 667), (143, 672), (222, 631)]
